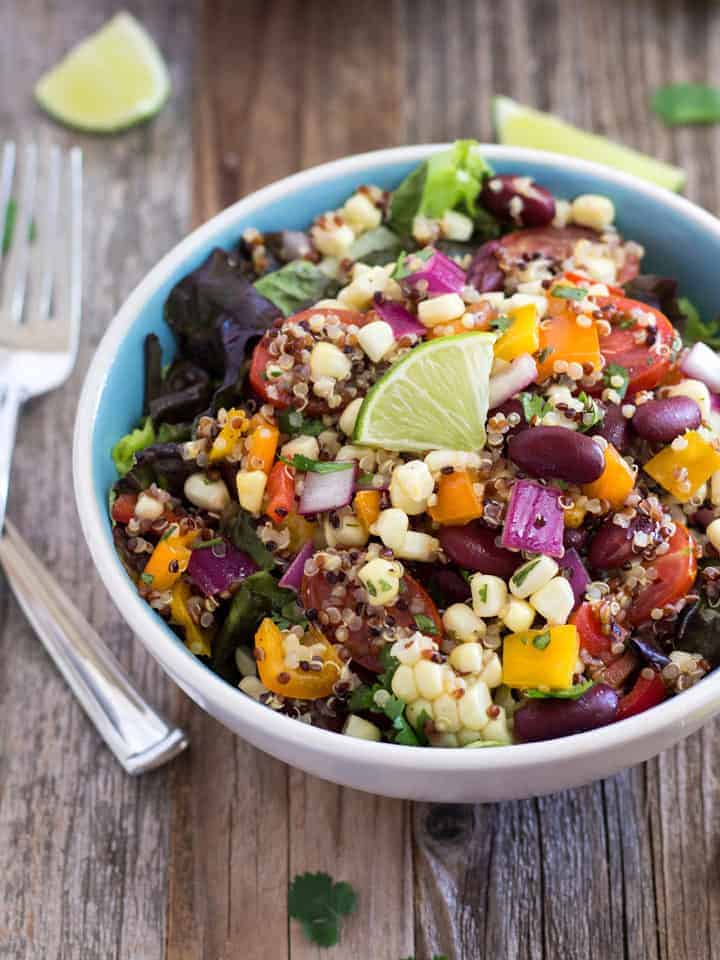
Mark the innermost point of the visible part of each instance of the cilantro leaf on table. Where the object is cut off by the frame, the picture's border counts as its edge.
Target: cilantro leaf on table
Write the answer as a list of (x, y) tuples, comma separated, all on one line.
[(679, 103), (319, 903)]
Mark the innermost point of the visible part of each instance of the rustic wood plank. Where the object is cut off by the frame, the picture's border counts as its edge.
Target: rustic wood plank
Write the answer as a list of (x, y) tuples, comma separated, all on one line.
[(82, 846)]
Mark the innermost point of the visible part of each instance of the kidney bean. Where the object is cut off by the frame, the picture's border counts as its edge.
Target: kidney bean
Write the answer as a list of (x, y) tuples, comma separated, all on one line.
[(703, 517), (614, 427), (660, 421), (553, 243), (550, 719), (473, 547), (574, 538), (557, 453), (611, 547), (512, 406), (484, 272), (518, 200)]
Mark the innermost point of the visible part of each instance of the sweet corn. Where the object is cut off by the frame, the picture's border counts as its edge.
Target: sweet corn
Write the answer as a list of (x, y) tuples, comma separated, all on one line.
[(463, 624), (491, 673), (523, 299), (437, 460), (489, 594), (715, 489), (327, 360), (416, 709), (446, 715), (410, 651), (381, 579), (250, 489), (414, 479), (592, 210), (419, 546), (456, 226), (362, 729), (359, 294), (349, 533), (349, 416), (404, 683), (350, 452), (554, 601), (206, 494), (497, 728), (376, 339), (303, 445), (533, 575), (392, 527), (429, 679), (441, 309), (333, 240), (467, 658), (148, 508), (713, 534), (253, 687), (517, 615), (473, 706), (361, 213)]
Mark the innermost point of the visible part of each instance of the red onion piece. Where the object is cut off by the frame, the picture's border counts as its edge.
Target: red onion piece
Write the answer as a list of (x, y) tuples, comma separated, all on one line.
[(292, 578), (534, 519), (573, 569), (438, 274), (702, 363), (328, 491), (506, 384), (214, 569), (403, 323)]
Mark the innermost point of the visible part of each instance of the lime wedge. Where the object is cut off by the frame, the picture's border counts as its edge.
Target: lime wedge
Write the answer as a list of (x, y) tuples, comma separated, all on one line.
[(113, 79), (435, 398), (519, 126)]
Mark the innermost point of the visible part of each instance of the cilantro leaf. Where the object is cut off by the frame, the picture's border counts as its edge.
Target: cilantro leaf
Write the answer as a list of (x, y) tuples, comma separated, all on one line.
[(542, 640), (678, 103), (519, 578), (569, 293), (295, 424), (695, 329), (501, 323), (534, 406), (306, 465), (592, 412), (613, 371), (319, 904), (425, 624), (570, 693)]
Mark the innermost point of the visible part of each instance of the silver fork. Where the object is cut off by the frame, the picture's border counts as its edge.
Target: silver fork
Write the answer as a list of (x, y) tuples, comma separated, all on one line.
[(39, 328)]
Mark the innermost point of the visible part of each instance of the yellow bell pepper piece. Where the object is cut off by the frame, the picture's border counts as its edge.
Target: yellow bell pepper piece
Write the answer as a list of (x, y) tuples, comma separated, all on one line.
[(235, 427), (523, 336), (457, 502), (540, 658), (367, 507), (261, 446), (682, 469), (563, 338), (271, 646), (197, 639), (615, 483), (170, 559)]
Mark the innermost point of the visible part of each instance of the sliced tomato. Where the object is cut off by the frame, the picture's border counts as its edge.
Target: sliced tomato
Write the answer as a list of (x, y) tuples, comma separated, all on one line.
[(123, 510), (261, 354), (592, 638), (647, 366), (580, 278), (647, 692), (676, 571), (315, 594)]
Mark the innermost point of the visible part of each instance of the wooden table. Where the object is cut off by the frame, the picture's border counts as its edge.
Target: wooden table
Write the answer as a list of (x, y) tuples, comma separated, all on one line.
[(193, 861)]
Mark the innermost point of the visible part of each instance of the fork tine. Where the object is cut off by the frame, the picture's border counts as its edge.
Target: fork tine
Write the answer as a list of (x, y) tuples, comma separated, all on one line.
[(6, 177), (68, 268), (42, 267), (17, 270)]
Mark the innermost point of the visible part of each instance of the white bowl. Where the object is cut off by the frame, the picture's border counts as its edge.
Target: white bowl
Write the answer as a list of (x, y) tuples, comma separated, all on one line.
[(110, 403)]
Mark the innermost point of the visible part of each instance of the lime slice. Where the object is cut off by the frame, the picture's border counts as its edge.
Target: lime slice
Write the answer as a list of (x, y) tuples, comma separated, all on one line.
[(435, 398), (112, 80), (519, 126)]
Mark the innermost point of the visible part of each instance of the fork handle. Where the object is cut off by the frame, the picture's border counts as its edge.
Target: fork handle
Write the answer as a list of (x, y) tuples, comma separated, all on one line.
[(138, 736), (12, 400)]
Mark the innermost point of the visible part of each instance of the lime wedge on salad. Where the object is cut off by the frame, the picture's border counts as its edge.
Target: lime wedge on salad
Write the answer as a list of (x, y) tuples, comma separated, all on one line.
[(435, 398), (112, 80), (519, 126)]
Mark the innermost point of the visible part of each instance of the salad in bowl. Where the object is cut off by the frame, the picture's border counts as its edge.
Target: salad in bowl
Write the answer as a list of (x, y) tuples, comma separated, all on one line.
[(438, 470)]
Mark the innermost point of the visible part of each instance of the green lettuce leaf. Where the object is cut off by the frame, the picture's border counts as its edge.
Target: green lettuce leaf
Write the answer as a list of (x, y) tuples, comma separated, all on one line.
[(296, 285), (123, 453), (375, 247)]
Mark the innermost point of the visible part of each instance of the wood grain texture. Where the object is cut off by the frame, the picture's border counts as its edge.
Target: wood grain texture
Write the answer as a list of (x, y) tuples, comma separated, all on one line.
[(192, 863)]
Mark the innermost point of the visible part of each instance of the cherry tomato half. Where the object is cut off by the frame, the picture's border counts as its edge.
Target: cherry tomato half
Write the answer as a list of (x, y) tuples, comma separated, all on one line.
[(676, 571), (647, 366), (261, 355), (315, 594), (592, 638), (647, 692), (123, 509)]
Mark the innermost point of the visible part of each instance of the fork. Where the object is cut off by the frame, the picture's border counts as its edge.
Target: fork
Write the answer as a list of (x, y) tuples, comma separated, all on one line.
[(39, 329)]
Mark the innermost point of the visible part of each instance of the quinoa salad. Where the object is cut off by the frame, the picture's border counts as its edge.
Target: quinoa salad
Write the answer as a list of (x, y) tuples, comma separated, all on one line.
[(442, 469)]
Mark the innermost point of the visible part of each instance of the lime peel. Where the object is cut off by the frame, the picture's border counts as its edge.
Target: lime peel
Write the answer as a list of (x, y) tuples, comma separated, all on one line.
[(112, 80), (434, 398)]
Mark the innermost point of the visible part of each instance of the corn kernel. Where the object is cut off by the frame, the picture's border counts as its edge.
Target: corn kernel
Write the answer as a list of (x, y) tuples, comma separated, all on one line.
[(445, 714), (392, 527), (333, 241), (473, 707), (592, 210), (489, 594), (441, 309), (205, 493), (376, 339), (327, 360), (404, 684), (416, 709), (410, 651), (148, 508), (349, 533), (419, 546), (456, 226), (491, 673), (303, 445), (497, 728), (517, 615), (462, 623), (533, 575), (429, 679), (361, 213), (250, 486), (381, 579), (554, 601), (349, 416), (713, 533), (467, 658)]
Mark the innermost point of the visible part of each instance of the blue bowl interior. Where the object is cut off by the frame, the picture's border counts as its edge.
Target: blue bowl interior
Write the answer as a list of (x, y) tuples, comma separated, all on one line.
[(675, 246)]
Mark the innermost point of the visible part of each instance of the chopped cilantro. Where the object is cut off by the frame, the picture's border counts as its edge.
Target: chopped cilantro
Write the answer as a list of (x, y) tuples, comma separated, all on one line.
[(426, 624), (534, 406), (542, 640), (295, 424), (545, 353), (569, 293), (482, 593), (307, 465), (365, 479), (501, 323), (204, 544), (522, 574), (147, 578), (613, 371), (695, 329), (371, 588), (319, 904), (570, 693), (592, 412)]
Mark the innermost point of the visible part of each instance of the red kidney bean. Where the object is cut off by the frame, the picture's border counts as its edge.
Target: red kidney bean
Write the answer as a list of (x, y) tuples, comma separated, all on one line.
[(574, 538), (660, 421), (518, 200), (611, 547), (508, 407), (703, 517), (614, 427), (553, 243), (473, 547), (484, 272), (557, 453), (550, 719)]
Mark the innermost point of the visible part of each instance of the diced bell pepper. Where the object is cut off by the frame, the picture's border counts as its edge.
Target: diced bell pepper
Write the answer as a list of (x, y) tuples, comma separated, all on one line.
[(523, 336), (198, 640), (540, 658), (170, 558), (682, 471), (615, 483), (234, 428), (457, 501), (271, 648)]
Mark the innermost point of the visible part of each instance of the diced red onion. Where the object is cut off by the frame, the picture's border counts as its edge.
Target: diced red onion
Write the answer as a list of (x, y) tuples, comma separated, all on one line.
[(575, 573), (403, 323), (438, 274), (327, 491), (702, 363), (534, 520), (506, 384), (292, 578), (217, 568)]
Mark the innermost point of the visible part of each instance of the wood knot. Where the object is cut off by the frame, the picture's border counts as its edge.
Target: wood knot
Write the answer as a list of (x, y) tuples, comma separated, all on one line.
[(450, 822)]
